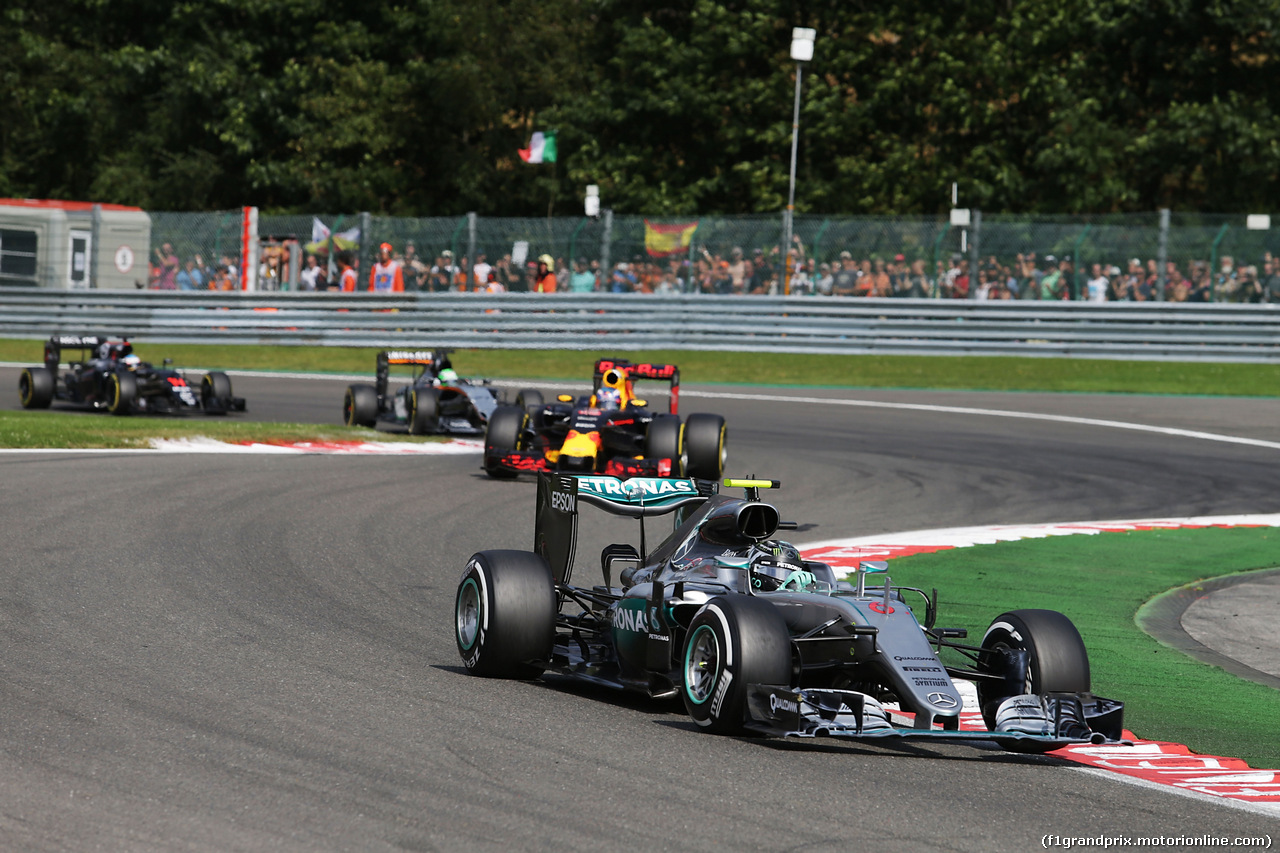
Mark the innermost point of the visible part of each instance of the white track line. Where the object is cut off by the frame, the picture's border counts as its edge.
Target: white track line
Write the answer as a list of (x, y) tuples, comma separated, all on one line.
[(830, 401)]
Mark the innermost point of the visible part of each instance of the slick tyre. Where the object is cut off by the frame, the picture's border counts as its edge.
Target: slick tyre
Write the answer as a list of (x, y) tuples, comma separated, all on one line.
[(35, 388), (733, 641), (122, 390), (360, 406), (1057, 661), (505, 614), (424, 411), (501, 436), (705, 441), (215, 393), (529, 399), (666, 440)]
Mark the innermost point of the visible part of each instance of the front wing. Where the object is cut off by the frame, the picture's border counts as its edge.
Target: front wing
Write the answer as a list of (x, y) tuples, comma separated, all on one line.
[(1026, 724)]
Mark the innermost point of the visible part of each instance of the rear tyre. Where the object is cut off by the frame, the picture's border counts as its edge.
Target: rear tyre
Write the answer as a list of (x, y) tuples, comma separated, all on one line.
[(122, 390), (215, 393), (35, 387), (424, 411), (505, 614), (360, 406), (734, 641), (528, 399), (705, 439), (1057, 661), (666, 440)]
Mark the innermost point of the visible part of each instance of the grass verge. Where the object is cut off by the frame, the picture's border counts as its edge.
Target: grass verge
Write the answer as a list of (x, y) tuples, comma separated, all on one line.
[(1100, 582), (1003, 373), (53, 430)]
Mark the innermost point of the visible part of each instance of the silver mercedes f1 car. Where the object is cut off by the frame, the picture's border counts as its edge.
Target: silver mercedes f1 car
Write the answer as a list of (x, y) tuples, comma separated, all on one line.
[(753, 637)]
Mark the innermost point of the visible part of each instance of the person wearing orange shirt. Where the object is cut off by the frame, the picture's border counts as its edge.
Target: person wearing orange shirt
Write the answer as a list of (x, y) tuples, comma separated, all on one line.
[(386, 275), (348, 277), (544, 280)]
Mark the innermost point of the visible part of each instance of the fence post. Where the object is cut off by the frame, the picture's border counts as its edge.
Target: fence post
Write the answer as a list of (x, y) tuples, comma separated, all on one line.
[(95, 245), (943, 231), (974, 253), (1213, 262), (366, 246), (605, 240), (1162, 254), (471, 249), (1076, 263)]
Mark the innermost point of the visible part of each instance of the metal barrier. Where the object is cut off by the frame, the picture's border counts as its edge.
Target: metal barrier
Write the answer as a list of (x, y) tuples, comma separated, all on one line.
[(627, 322)]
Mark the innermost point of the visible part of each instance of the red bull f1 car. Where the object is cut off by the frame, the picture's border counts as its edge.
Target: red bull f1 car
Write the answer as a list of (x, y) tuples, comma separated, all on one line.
[(434, 400), (753, 638), (107, 375), (610, 431)]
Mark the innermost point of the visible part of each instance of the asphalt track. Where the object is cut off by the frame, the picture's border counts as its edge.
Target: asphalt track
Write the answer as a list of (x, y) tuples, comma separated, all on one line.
[(256, 653)]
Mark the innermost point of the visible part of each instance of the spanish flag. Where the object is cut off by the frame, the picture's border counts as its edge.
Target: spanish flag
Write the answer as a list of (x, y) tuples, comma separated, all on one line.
[(663, 240)]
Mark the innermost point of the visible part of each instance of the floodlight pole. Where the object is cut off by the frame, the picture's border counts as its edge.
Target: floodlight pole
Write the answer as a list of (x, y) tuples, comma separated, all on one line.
[(801, 51), (787, 225)]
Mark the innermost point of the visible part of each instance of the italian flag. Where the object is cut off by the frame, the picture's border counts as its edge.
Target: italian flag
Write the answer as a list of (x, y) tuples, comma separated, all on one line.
[(542, 148)]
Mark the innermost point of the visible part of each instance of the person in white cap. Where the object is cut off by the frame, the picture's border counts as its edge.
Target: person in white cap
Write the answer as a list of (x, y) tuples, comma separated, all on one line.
[(544, 280)]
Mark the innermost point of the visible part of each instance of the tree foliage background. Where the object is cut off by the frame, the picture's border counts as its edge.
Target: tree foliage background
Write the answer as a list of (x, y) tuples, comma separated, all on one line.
[(418, 107)]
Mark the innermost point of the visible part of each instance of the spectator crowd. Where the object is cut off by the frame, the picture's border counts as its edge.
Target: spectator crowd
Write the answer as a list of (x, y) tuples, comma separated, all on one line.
[(738, 271)]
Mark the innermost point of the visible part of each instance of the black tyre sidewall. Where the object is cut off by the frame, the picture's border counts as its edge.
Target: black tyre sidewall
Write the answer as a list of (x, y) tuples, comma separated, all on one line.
[(529, 398), (424, 411), (215, 393), (502, 435), (665, 439), (360, 406), (122, 390), (517, 612), (35, 387), (705, 441), (754, 648), (1057, 657)]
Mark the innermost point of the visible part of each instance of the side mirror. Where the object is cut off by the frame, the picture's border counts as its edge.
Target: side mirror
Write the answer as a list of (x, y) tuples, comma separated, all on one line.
[(639, 404), (565, 398), (869, 567), (168, 361)]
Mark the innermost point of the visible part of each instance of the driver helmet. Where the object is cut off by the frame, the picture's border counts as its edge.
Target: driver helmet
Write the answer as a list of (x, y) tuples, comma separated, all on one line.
[(608, 398), (448, 376), (131, 361), (772, 563)]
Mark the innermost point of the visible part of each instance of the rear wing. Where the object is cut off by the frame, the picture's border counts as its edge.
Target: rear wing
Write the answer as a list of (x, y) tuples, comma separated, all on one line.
[(431, 362), (55, 345), (555, 535), (662, 372)]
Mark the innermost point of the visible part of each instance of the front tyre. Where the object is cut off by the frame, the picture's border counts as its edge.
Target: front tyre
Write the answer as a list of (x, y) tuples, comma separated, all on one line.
[(424, 411), (1057, 661), (215, 393), (35, 388), (502, 436), (733, 641), (705, 439), (360, 406), (529, 399), (505, 614), (122, 390), (665, 440)]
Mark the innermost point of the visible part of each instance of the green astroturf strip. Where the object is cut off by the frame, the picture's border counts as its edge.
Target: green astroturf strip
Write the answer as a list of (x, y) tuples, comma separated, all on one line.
[(998, 373), (1099, 582), (53, 430)]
